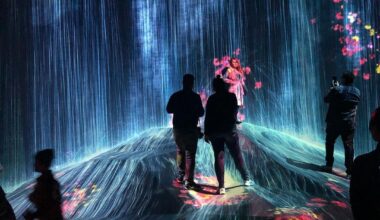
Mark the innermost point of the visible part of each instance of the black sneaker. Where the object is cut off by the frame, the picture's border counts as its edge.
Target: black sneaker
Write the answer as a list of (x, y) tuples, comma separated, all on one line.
[(192, 186)]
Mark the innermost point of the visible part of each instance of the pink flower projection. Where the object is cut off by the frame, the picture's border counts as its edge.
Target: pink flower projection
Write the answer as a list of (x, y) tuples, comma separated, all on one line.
[(258, 85), (247, 70), (366, 76), (237, 52), (221, 64), (339, 16), (338, 27), (362, 61), (79, 196), (352, 26), (355, 72)]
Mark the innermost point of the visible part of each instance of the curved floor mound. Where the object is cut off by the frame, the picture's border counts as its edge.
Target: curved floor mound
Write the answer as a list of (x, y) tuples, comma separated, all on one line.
[(136, 180)]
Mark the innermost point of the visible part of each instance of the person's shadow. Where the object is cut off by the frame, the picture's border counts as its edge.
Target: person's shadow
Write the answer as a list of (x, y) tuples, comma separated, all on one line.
[(314, 167)]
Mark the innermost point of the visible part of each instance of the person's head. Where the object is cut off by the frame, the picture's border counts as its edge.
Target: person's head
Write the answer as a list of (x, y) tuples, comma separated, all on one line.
[(234, 62), (188, 81), (374, 125), (348, 78), (218, 85), (43, 160)]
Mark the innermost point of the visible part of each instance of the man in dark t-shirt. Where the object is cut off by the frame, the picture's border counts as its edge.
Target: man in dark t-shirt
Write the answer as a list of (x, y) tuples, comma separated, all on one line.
[(220, 129), (341, 120), (186, 107)]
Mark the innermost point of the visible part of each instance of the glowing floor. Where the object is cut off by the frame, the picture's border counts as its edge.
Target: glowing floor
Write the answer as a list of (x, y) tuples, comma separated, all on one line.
[(135, 180)]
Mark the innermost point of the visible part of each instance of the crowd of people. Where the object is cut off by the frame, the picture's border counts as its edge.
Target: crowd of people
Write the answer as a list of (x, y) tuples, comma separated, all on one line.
[(221, 131)]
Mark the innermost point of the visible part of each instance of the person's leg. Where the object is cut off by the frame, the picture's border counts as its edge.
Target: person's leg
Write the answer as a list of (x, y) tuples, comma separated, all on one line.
[(232, 142), (180, 158), (348, 143), (332, 133), (191, 150), (218, 147)]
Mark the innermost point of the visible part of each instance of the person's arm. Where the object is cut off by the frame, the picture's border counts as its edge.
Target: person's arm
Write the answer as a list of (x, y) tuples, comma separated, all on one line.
[(331, 96), (40, 198), (358, 185), (230, 81), (235, 104), (170, 107), (208, 117), (355, 96), (200, 110)]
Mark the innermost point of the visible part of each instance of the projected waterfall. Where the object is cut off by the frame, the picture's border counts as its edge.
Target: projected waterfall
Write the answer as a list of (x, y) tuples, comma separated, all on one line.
[(84, 76)]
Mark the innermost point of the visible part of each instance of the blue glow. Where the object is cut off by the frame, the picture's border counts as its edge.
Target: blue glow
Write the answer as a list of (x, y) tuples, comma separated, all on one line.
[(82, 76)]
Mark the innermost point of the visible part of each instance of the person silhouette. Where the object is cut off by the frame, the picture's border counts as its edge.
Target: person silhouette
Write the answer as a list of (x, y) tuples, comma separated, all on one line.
[(186, 106), (46, 195), (365, 179), (6, 210), (220, 129), (341, 120)]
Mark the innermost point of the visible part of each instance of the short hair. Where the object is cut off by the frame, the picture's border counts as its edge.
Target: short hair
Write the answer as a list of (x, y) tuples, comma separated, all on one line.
[(348, 77), (45, 157), (375, 119), (218, 84), (188, 80)]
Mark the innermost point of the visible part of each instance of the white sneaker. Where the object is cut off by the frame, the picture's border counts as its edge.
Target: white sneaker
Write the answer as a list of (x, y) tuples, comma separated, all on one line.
[(248, 183), (221, 191)]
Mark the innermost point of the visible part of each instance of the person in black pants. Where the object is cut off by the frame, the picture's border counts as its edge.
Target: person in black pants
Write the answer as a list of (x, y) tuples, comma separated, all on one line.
[(220, 129), (186, 107), (341, 120), (365, 180)]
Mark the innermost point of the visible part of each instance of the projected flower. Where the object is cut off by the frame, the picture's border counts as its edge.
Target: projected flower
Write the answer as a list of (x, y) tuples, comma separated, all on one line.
[(293, 213), (79, 196), (258, 85), (361, 49), (366, 76)]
